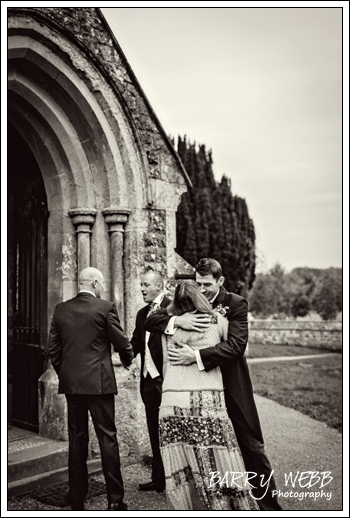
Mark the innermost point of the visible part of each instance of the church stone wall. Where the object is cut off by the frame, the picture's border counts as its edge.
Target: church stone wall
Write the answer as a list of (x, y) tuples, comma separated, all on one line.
[(110, 152)]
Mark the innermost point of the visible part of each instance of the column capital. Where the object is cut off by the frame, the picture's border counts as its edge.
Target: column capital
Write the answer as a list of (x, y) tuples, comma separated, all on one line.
[(83, 218), (116, 218)]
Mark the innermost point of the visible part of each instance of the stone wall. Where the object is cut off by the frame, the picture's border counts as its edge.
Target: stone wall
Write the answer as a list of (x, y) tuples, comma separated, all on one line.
[(155, 242), (325, 335)]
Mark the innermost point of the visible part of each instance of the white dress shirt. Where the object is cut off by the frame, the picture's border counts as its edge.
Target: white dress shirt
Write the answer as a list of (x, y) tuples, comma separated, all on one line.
[(87, 291), (149, 366)]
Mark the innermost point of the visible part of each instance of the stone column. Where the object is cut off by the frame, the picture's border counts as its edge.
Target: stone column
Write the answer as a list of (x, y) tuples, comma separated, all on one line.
[(83, 220), (116, 220)]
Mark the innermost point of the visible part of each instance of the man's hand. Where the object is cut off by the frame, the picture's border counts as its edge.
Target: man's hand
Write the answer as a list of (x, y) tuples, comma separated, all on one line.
[(124, 365), (183, 356), (193, 322)]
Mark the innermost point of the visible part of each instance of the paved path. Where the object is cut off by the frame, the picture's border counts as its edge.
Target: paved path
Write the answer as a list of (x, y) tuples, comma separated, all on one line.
[(290, 358), (297, 443)]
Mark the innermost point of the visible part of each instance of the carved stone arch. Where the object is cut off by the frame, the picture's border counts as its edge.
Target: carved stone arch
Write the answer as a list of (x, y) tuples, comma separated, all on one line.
[(81, 138), (89, 122)]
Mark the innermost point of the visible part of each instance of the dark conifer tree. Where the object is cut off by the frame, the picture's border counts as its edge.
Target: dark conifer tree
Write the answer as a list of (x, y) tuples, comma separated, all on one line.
[(211, 222)]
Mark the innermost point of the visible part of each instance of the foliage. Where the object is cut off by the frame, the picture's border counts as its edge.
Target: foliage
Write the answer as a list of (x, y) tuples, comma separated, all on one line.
[(211, 222), (325, 299), (282, 294), (301, 306)]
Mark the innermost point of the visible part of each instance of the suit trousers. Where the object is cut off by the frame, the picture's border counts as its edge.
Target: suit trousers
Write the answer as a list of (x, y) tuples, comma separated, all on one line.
[(252, 447), (151, 393), (101, 408)]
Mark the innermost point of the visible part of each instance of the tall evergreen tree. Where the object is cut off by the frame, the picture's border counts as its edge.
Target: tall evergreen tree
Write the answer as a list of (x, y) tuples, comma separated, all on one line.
[(211, 222)]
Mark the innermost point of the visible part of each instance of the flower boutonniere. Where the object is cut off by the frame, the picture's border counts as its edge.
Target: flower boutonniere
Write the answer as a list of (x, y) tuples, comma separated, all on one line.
[(222, 309), (152, 308)]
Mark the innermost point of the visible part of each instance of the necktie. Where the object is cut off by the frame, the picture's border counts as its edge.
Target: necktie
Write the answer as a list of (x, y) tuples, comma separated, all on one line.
[(149, 363)]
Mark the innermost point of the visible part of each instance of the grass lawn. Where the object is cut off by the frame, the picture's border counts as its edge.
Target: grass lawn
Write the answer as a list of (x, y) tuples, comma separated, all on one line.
[(312, 386)]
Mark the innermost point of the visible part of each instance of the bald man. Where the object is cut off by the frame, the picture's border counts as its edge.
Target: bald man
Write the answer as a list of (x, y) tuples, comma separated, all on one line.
[(79, 348)]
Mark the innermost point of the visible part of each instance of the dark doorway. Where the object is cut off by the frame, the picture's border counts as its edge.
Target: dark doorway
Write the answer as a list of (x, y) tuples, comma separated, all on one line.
[(27, 280)]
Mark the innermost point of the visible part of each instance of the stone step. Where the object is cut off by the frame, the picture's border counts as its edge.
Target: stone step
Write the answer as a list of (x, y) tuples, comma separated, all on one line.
[(35, 455), (36, 482)]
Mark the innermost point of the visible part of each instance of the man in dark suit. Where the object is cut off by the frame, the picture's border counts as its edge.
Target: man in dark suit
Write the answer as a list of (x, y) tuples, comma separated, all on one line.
[(229, 355), (149, 345), (79, 348)]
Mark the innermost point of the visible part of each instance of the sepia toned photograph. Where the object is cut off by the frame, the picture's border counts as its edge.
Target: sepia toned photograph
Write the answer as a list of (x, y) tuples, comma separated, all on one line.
[(177, 222)]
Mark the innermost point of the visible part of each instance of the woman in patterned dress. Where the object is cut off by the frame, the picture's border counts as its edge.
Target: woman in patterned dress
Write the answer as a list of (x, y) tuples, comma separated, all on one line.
[(197, 440)]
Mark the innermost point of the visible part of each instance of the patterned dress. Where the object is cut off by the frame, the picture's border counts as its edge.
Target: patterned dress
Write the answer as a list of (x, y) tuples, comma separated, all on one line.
[(197, 441)]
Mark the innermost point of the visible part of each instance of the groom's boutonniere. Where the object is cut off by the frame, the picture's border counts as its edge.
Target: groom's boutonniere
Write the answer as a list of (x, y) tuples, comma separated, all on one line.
[(222, 309)]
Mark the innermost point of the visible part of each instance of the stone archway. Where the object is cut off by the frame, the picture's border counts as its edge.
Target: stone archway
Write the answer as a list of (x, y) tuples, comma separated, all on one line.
[(87, 158), (112, 178), (83, 143)]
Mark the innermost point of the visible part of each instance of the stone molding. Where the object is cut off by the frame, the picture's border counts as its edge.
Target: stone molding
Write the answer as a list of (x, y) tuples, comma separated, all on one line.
[(83, 219), (116, 218)]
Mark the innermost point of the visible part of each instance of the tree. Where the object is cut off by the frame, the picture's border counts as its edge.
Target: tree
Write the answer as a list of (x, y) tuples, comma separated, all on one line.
[(301, 306), (297, 293), (261, 297), (325, 298), (211, 222)]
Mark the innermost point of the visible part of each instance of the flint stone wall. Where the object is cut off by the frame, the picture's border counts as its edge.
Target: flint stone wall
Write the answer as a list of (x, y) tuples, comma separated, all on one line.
[(325, 335)]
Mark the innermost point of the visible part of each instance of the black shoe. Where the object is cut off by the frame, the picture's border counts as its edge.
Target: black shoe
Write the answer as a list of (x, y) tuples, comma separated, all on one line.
[(117, 507), (76, 506), (147, 487)]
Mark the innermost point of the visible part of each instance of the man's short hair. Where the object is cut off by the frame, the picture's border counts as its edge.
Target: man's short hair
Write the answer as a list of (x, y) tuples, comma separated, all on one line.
[(158, 276), (207, 266)]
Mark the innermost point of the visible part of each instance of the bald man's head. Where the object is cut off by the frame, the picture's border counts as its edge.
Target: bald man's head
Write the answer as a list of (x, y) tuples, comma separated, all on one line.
[(91, 279)]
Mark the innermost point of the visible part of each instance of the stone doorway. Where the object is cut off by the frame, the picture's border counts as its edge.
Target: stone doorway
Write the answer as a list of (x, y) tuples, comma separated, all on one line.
[(27, 281)]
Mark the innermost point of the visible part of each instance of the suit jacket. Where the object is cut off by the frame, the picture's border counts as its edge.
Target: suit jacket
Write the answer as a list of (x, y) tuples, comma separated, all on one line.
[(228, 354), (79, 346), (154, 342)]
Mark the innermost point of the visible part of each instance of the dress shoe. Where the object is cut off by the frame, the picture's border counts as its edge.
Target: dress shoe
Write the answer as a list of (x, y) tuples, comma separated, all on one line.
[(76, 506), (147, 487), (117, 507)]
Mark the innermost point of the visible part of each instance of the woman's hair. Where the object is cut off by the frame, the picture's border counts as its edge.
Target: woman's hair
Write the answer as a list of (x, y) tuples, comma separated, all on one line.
[(188, 297)]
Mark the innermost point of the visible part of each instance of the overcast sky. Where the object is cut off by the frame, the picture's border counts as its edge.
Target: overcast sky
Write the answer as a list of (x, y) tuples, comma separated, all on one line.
[(261, 87)]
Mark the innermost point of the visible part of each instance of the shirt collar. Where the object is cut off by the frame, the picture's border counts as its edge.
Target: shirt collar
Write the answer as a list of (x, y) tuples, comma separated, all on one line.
[(158, 299), (87, 291), (212, 300)]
